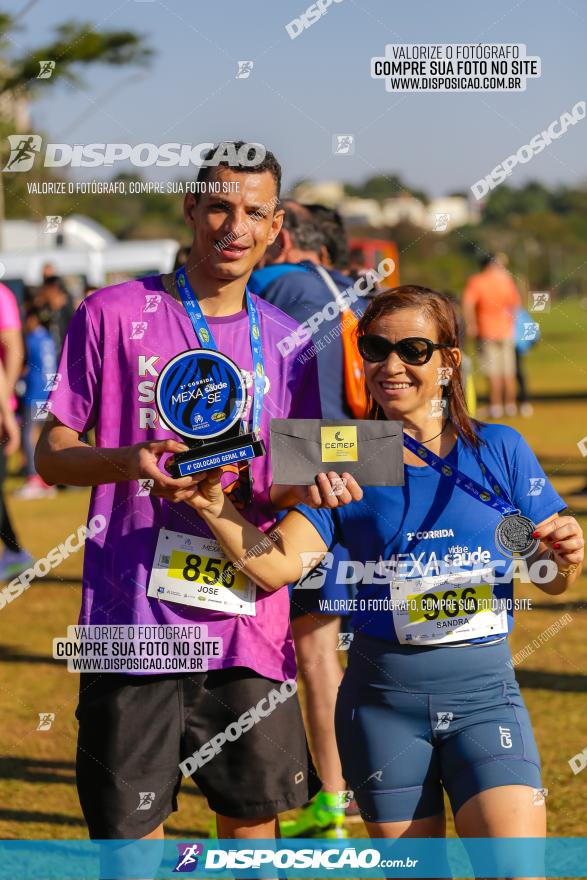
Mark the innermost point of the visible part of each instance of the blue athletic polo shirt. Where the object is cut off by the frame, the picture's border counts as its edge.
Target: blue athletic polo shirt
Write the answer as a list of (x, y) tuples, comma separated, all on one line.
[(41, 362), (430, 527), (299, 291), (262, 277)]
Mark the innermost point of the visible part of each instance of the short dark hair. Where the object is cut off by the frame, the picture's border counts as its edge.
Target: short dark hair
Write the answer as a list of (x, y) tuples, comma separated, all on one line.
[(331, 226), (181, 256), (268, 163), (486, 260), (302, 227), (32, 310)]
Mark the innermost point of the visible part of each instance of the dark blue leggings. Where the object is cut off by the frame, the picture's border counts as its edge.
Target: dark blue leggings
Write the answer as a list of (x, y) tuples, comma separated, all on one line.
[(411, 722)]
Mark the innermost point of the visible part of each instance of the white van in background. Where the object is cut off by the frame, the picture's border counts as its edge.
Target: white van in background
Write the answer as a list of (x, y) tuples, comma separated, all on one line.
[(81, 251)]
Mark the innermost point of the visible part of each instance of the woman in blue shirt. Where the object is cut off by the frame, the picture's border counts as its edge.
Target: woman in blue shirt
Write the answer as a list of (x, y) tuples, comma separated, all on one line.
[(429, 701)]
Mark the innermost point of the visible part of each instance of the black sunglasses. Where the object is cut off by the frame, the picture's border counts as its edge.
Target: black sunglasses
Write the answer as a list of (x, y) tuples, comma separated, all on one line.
[(414, 350)]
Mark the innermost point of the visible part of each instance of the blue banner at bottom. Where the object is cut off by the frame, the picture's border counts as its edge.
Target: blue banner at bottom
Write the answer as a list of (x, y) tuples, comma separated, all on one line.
[(207, 462), (308, 858)]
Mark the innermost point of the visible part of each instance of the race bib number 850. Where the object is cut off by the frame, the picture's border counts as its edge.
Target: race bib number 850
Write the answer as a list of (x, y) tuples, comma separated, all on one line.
[(192, 570), (207, 570)]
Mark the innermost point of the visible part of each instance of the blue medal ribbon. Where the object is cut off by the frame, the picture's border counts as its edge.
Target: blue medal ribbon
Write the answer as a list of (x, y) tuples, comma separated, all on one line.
[(206, 339), (497, 498)]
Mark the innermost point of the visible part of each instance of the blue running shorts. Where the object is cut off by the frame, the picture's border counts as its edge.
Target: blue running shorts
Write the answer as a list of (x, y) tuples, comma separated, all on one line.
[(411, 722)]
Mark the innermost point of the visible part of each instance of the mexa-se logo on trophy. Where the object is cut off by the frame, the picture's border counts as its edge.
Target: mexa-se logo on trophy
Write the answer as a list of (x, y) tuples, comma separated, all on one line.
[(201, 395)]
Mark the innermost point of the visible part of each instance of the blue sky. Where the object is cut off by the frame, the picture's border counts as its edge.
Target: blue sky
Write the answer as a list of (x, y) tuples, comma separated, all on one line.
[(303, 91)]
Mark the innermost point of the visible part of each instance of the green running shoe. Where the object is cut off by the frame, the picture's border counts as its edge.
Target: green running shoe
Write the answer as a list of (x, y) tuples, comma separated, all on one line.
[(322, 817)]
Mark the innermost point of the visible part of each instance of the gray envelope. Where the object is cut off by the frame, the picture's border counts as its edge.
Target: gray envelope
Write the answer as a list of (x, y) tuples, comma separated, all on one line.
[(371, 451)]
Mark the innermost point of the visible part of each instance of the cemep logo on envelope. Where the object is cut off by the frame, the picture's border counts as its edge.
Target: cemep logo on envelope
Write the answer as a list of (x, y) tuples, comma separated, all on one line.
[(339, 443)]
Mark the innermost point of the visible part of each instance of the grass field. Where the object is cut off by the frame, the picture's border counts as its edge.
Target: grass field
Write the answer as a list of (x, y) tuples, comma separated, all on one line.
[(37, 787), (558, 365)]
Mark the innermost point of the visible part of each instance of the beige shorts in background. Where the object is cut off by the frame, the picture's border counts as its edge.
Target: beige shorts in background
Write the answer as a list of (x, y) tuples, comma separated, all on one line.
[(497, 357)]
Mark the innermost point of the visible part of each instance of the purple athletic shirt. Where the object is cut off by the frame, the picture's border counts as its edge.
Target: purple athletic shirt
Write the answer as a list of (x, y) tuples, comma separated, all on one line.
[(119, 340)]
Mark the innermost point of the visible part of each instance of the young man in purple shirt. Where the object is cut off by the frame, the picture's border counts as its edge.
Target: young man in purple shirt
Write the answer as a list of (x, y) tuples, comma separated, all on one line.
[(137, 730)]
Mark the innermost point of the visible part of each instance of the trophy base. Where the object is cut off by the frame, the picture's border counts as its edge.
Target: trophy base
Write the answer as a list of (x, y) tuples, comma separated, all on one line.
[(209, 455)]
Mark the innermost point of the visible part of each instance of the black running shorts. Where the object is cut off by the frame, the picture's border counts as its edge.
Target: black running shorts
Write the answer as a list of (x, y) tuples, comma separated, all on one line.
[(135, 731)]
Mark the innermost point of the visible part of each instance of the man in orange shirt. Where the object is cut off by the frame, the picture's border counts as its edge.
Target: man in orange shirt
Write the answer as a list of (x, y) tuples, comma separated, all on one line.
[(489, 303)]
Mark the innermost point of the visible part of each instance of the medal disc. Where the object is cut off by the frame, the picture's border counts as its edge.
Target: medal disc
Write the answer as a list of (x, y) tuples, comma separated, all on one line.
[(513, 535), (200, 394)]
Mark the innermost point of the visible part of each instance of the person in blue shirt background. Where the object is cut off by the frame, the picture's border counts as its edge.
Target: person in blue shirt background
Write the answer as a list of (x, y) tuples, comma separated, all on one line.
[(313, 239), (526, 335), (291, 281), (429, 702), (299, 240), (40, 366)]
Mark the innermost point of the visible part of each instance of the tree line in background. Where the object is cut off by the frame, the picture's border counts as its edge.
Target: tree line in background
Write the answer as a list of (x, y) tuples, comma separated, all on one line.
[(542, 231)]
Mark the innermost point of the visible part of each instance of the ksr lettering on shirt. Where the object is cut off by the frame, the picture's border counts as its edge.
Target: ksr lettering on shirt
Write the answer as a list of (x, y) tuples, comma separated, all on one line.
[(148, 372)]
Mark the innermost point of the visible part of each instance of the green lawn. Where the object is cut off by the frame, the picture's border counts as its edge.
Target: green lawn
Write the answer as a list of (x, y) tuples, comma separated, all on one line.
[(37, 787), (557, 364)]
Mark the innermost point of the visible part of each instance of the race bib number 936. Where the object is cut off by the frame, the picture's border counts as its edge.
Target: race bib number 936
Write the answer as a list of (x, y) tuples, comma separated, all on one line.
[(440, 610)]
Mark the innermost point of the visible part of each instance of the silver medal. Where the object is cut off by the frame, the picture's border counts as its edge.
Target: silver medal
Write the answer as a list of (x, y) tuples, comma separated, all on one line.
[(513, 535)]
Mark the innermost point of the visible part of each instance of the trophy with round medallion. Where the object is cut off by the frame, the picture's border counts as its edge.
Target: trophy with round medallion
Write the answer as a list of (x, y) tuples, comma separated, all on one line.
[(201, 395)]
